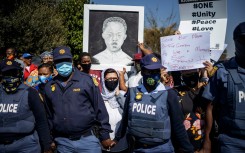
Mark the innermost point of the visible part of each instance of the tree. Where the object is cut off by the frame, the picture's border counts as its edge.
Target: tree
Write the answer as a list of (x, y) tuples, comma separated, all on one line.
[(153, 33), (34, 27), (73, 13)]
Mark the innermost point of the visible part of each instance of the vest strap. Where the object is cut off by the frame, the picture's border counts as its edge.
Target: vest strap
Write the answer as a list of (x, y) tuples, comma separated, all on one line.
[(147, 133), (15, 118), (147, 124)]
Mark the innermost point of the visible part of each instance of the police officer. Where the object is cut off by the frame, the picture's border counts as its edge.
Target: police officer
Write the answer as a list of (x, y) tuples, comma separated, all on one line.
[(76, 107), (226, 92), (23, 124), (152, 112)]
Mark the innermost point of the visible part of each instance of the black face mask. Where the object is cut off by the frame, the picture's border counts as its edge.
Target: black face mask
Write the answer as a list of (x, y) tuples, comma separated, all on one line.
[(191, 80), (10, 84), (111, 85), (240, 52), (137, 67), (86, 67)]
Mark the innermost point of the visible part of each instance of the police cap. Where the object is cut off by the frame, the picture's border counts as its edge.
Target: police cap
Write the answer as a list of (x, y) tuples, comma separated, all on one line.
[(62, 52), (9, 65), (151, 62)]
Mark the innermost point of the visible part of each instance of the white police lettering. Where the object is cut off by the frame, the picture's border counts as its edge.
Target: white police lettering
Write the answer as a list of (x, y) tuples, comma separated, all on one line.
[(241, 96), (144, 108), (8, 108)]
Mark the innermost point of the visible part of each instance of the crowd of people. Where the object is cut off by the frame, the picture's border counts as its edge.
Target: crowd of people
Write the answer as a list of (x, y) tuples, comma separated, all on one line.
[(65, 106)]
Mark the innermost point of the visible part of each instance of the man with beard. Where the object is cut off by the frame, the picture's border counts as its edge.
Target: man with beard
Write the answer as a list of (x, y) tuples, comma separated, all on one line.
[(114, 34)]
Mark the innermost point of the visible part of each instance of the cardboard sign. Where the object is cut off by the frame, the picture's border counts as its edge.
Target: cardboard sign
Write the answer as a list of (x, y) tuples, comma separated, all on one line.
[(201, 16), (216, 54), (185, 52)]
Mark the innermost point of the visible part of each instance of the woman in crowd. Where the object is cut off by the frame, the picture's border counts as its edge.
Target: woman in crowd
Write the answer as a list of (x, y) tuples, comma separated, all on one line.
[(45, 72), (114, 102), (193, 105)]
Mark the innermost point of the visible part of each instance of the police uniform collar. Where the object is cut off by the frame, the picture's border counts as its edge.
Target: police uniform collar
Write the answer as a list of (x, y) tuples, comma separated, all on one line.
[(233, 65), (160, 87), (22, 86), (76, 76)]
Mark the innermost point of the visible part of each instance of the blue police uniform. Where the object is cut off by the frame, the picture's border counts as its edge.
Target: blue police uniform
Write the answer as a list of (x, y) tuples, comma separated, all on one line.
[(226, 90), (148, 119), (76, 108), (22, 117), (153, 117)]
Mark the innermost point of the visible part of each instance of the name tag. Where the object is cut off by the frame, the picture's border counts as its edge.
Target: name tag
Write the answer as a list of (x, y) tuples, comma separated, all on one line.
[(76, 90)]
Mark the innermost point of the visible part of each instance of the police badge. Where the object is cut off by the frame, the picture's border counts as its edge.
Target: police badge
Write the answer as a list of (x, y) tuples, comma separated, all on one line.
[(139, 96)]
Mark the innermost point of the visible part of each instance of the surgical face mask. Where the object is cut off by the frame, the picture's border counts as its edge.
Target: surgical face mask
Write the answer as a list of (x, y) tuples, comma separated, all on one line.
[(86, 67), (152, 80), (191, 80), (64, 69), (44, 79), (10, 84), (111, 85)]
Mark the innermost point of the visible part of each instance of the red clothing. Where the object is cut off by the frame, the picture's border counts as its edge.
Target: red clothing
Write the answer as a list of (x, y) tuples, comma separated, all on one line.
[(96, 74), (27, 73)]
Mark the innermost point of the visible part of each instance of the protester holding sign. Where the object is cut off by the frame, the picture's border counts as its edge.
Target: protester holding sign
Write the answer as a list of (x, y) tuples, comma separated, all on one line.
[(193, 105), (114, 101)]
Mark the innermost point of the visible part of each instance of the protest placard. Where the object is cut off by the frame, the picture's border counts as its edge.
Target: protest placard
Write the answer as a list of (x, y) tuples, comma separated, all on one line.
[(216, 54), (203, 15), (100, 43), (184, 52)]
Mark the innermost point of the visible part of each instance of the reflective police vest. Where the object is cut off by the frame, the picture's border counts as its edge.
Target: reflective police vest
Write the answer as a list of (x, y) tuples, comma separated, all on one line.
[(148, 119), (233, 112), (15, 113)]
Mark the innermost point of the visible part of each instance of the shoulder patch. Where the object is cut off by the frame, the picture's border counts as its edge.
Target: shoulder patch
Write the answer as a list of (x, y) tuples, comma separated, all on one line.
[(96, 83), (53, 87), (212, 72), (182, 93)]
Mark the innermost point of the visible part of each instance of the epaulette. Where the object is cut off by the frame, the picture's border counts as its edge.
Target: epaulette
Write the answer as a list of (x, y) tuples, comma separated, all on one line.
[(96, 83), (213, 71)]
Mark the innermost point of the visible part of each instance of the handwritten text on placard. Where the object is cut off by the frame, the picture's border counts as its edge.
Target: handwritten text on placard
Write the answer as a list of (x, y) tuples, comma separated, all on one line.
[(184, 52)]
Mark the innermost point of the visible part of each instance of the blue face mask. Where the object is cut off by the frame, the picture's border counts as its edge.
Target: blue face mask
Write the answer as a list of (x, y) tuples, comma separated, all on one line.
[(64, 69), (151, 80), (44, 79)]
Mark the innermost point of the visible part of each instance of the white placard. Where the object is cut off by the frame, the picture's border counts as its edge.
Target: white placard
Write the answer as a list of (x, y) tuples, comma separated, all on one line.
[(216, 54), (201, 16), (186, 51)]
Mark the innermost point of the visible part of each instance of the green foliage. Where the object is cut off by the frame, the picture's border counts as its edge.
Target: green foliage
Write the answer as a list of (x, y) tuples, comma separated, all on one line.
[(153, 33), (152, 36), (34, 27), (73, 14)]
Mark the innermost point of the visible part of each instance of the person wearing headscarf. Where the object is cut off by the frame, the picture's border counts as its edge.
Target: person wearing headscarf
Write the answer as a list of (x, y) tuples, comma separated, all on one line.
[(47, 57), (114, 102)]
